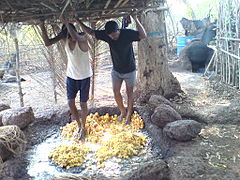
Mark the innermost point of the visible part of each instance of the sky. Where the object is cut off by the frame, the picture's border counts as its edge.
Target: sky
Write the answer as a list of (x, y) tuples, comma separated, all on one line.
[(177, 7), (201, 7)]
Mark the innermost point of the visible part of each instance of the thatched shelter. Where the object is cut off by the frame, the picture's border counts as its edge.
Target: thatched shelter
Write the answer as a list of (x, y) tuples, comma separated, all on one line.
[(29, 10), (153, 71)]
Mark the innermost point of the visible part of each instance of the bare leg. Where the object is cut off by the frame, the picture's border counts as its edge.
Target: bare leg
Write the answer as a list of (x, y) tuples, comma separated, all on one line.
[(84, 113), (129, 90), (74, 111), (75, 114), (118, 98)]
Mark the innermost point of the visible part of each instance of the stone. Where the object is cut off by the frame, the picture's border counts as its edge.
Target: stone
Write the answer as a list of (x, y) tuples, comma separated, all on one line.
[(157, 100), (21, 117), (14, 169), (189, 112), (182, 130), (187, 168), (52, 113), (164, 114), (4, 106), (160, 140), (12, 141), (153, 170), (1, 114)]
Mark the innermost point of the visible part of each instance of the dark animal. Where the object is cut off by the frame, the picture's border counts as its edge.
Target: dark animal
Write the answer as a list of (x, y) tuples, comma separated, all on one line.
[(209, 33), (194, 27), (199, 54), (195, 56), (202, 29)]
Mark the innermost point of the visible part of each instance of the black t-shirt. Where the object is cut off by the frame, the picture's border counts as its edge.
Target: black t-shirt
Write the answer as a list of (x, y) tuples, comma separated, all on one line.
[(121, 49)]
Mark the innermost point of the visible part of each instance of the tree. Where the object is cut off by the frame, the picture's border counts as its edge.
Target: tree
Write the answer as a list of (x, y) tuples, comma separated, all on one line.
[(191, 12), (154, 76)]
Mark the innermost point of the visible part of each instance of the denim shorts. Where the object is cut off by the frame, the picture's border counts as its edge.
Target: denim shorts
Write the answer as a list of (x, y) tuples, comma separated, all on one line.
[(73, 86), (129, 78)]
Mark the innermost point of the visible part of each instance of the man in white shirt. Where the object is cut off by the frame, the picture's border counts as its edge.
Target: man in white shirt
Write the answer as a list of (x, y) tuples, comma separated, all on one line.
[(78, 69)]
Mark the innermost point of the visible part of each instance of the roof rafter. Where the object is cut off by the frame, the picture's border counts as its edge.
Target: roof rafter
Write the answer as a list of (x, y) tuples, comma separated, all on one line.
[(30, 10)]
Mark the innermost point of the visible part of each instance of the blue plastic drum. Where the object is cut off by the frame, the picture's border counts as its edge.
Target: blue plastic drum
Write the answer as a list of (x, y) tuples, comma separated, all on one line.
[(182, 42)]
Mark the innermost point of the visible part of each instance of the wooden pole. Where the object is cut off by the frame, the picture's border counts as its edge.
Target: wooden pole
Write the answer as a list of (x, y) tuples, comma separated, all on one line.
[(94, 62), (18, 73), (53, 72)]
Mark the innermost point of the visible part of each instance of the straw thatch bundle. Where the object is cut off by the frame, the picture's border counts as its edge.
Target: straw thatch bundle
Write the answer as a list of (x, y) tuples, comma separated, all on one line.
[(29, 10), (12, 141)]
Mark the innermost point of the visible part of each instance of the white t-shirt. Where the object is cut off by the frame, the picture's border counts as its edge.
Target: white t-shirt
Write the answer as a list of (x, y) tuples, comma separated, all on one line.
[(78, 66)]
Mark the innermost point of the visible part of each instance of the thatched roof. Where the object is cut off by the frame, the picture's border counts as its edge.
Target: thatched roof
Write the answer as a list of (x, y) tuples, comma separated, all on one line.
[(29, 10)]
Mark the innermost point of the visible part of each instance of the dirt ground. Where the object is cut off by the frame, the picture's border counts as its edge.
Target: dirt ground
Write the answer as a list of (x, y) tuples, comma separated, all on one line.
[(214, 104), (217, 107), (38, 91)]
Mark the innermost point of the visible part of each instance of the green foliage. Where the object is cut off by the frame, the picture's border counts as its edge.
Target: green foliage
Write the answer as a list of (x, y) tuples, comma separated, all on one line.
[(189, 12), (204, 7), (200, 8), (28, 41), (28, 36)]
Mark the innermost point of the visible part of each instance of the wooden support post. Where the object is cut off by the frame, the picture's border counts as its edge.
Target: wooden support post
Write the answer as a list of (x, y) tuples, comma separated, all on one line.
[(94, 62), (53, 72), (18, 72)]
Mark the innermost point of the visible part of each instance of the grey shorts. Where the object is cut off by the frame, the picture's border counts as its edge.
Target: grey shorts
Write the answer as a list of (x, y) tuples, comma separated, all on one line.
[(129, 78)]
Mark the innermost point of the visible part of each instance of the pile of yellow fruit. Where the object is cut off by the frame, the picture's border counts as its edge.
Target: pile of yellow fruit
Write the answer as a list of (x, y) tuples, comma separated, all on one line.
[(115, 138), (70, 155), (122, 145)]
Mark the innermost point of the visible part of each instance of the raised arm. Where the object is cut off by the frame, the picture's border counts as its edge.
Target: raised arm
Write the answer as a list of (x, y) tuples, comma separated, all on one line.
[(75, 36), (85, 28), (140, 28), (73, 33), (47, 41)]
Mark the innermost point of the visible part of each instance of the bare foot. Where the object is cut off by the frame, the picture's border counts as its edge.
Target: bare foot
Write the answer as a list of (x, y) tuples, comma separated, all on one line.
[(83, 134), (77, 133), (122, 115), (80, 134), (70, 118), (128, 120)]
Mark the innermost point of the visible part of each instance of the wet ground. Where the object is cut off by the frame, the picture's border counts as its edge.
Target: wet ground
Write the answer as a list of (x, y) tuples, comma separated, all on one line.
[(40, 167)]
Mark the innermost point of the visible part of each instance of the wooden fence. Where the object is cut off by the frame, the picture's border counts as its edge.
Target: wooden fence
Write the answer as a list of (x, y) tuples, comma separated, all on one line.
[(227, 61)]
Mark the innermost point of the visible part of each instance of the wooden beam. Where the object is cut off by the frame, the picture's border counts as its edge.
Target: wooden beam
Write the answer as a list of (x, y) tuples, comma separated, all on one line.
[(107, 4), (230, 39), (82, 11), (9, 4), (52, 11), (93, 17), (230, 54), (118, 3), (65, 6), (49, 7), (88, 3), (124, 3)]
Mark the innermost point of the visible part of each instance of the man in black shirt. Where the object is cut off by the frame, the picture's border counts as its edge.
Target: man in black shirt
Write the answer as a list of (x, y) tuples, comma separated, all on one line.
[(124, 66)]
